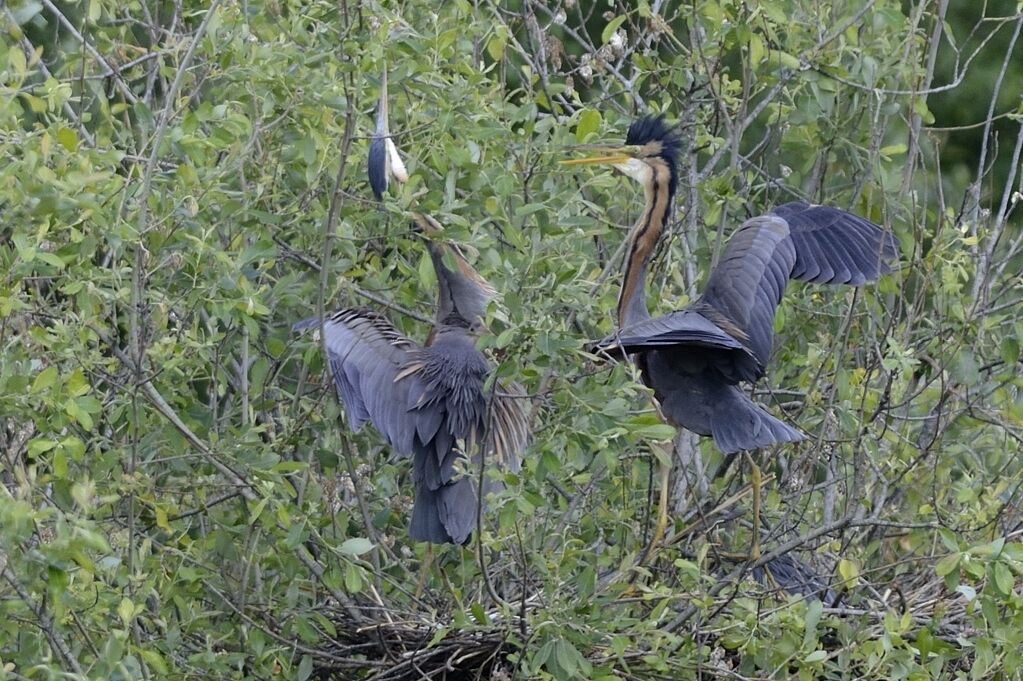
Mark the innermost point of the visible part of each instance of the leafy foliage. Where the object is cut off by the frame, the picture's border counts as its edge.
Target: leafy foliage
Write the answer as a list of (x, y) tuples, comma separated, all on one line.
[(181, 182)]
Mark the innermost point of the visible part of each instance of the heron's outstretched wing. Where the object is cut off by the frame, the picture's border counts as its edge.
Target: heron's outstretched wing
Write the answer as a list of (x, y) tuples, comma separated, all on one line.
[(836, 247), (817, 244), (374, 367)]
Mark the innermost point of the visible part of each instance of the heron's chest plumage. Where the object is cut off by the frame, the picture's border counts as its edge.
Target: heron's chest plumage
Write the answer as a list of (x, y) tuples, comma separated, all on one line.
[(452, 378)]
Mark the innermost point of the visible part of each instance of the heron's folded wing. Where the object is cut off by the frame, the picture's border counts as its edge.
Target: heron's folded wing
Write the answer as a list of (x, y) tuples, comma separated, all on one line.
[(817, 244), (377, 166), (374, 367), (685, 328)]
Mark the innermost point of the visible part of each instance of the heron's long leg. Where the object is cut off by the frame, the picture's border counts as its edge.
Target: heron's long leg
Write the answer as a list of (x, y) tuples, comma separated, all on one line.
[(664, 458), (756, 480), (662, 504)]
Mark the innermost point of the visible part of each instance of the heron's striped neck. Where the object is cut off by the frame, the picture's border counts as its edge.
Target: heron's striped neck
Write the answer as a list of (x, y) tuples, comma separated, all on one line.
[(642, 242)]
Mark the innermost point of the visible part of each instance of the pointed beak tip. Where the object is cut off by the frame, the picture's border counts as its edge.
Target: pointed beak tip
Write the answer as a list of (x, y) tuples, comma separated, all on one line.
[(600, 154)]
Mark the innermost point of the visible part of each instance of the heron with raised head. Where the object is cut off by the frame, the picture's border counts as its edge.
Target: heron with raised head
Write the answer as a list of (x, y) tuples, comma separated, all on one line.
[(429, 401), (383, 161), (696, 358)]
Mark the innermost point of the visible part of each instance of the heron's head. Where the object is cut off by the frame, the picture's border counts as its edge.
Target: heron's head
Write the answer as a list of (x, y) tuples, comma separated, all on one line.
[(464, 294), (650, 146)]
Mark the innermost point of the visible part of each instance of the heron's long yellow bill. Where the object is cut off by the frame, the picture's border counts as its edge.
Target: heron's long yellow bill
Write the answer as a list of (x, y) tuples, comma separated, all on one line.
[(591, 160)]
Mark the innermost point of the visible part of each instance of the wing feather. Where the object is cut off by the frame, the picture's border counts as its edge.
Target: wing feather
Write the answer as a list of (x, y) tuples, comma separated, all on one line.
[(426, 402), (867, 249), (509, 426), (373, 367), (695, 328), (817, 244)]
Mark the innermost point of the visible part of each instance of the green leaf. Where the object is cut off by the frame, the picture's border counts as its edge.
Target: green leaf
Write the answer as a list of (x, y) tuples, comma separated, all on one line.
[(67, 138), (355, 546), (126, 611), (816, 656), (991, 549), (920, 109), (154, 659), (161, 518), (814, 610), (26, 250), (1013, 551), (893, 150), (427, 277), (968, 591), (51, 259), (658, 432), (567, 657), (60, 464), (353, 578), (26, 11), (290, 466), (947, 564), (1010, 350), (438, 636), (258, 510), (38, 446), (849, 571), (495, 47), (16, 58), (541, 656), (782, 58), (479, 614), (589, 123), (305, 668), (757, 50), (1004, 580), (529, 209), (611, 27), (76, 383), (45, 379)]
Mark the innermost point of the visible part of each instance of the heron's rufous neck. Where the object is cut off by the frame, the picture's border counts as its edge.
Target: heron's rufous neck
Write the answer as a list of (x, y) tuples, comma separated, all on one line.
[(642, 241)]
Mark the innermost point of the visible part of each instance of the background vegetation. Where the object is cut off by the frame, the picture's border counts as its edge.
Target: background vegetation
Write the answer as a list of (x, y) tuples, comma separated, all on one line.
[(180, 181)]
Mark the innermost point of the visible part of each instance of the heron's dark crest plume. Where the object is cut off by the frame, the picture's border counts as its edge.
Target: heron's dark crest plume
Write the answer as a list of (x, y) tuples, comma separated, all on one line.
[(428, 401)]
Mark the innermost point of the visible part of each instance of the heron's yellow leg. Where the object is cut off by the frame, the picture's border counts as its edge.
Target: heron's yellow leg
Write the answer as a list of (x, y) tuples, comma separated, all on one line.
[(662, 504), (756, 480), (664, 459)]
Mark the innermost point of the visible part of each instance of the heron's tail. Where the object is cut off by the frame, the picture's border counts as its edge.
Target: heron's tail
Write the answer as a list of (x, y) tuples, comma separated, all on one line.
[(446, 515), (740, 423)]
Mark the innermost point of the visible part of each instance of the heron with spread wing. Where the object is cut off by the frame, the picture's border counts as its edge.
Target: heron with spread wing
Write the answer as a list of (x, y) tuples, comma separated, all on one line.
[(429, 401), (695, 359)]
